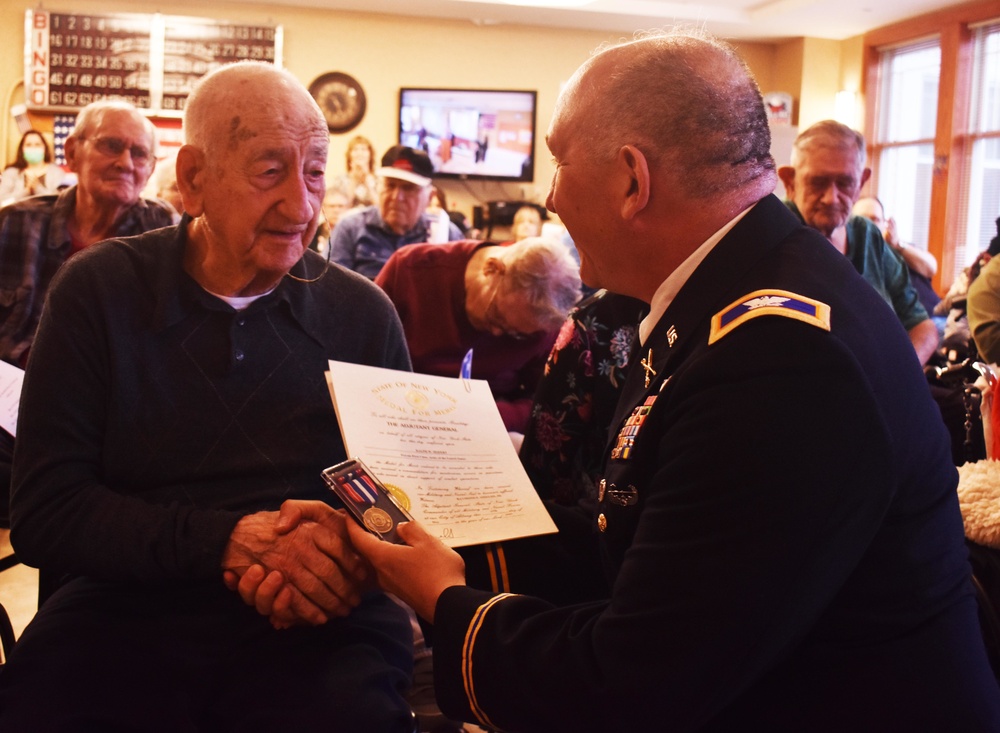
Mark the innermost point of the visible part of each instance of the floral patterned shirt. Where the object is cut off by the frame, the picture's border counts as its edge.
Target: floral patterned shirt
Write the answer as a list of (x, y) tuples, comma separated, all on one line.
[(575, 400)]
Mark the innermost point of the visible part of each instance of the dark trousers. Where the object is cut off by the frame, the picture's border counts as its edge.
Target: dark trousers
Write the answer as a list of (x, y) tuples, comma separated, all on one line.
[(106, 657)]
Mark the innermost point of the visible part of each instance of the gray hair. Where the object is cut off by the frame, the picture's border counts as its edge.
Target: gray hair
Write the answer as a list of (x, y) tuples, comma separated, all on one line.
[(545, 271), (829, 134), (687, 101), (90, 116)]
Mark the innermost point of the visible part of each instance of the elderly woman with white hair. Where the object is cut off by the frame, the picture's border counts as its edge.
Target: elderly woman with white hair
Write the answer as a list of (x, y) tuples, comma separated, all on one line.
[(506, 303)]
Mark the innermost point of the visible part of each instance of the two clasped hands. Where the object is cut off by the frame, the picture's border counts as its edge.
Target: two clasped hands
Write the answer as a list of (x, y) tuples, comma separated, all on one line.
[(308, 563)]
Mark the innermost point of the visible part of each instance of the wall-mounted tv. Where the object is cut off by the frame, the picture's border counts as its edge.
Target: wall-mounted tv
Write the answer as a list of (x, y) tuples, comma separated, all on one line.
[(471, 133)]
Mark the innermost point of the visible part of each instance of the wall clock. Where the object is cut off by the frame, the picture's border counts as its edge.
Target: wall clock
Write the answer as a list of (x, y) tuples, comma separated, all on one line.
[(340, 98)]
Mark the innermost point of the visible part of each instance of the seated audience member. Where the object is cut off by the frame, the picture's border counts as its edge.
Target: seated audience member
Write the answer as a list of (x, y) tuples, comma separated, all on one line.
[(576, 397), (984, 311), (336, 203), (527, 223), (32, 173), (175, 399), (437, 204), (438, 218), (163, 185), (956, 341), (111, 150), (437, 201), (365, 240), (503, 302), (822, 184), (777, 564), (359, 181), (921, 263)]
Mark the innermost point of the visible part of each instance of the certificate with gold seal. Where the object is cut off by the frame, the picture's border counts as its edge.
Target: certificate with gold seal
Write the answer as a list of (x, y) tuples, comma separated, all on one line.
[(441, 449)]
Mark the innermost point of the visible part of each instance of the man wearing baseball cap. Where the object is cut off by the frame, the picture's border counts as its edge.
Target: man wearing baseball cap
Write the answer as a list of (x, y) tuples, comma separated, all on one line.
[(364, 240)]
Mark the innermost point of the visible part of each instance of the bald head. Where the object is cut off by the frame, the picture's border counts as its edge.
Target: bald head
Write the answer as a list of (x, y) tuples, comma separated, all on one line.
[(664, 137), (686, 100), (252, 177), (229, 103)]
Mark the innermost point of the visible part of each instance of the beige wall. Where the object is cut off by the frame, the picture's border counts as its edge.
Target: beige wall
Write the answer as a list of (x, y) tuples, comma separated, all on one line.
[(385, 52)]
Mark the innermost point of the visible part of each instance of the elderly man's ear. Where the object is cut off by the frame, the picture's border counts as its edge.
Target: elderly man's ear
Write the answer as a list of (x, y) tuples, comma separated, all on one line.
[(635, 183), (787, 175), (69, 151), (191, 178), (865, 175)]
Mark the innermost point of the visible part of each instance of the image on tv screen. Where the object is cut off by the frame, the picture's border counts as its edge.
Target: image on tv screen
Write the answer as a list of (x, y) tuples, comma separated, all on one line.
[(471, 133)]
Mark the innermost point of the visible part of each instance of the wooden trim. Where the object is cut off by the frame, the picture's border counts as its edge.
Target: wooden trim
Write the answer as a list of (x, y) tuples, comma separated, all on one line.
[(951, 26), (933, 23), (954, 144)]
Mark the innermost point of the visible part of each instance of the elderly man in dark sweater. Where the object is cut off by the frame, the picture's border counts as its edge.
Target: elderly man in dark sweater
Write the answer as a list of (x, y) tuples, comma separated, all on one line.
[(174, 400)]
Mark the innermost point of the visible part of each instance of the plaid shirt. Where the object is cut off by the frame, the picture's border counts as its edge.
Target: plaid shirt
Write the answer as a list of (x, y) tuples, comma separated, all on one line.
[(34, 242)]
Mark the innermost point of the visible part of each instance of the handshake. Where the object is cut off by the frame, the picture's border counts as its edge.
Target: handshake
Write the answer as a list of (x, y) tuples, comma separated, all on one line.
[(308, 563)]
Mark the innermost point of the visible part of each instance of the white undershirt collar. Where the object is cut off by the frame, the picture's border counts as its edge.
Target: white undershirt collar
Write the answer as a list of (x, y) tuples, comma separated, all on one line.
[(668, 290)]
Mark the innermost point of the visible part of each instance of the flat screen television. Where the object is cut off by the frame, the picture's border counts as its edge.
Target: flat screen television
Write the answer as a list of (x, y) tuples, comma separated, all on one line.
[(471, 133)]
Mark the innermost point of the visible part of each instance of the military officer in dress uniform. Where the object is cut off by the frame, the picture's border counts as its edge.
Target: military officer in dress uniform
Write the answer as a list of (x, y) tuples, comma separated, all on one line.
[(777, 511)]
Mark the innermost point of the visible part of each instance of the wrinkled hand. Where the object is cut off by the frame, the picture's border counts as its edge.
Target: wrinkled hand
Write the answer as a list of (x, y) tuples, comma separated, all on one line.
[(297, 565), (417, 572)]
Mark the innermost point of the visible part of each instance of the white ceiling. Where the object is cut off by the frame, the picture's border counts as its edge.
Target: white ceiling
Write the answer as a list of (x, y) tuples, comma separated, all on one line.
[(760, 20)]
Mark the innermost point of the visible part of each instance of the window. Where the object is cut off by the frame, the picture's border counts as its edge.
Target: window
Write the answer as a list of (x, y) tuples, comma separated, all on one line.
[(980, 195), (903, 145), (932, 93)]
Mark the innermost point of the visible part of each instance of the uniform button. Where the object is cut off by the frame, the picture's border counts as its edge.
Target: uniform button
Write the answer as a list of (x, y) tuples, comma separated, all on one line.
[(600, 489), (602, 522), (239, 355), (241, 322)]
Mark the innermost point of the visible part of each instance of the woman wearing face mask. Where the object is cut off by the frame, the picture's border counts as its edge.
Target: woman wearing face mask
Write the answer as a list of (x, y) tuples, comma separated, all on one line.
[(33, 171)]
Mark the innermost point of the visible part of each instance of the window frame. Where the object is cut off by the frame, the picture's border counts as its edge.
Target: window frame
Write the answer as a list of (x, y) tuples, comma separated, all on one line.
[(953, 27)]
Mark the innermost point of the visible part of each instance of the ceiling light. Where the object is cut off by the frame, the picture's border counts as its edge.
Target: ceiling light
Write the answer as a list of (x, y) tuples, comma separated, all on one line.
[(550, 3)]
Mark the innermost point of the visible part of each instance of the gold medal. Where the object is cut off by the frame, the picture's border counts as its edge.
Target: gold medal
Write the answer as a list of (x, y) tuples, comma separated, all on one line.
[(377, 520)]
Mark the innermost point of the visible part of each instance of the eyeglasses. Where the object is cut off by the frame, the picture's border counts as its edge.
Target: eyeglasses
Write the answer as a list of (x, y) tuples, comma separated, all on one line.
[(113, 147), (495, 319)]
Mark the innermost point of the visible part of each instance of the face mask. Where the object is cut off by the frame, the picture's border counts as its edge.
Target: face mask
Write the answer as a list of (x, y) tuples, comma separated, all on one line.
[(34, 156)]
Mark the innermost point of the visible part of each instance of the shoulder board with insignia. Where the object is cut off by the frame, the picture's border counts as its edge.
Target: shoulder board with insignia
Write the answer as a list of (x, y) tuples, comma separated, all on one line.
[(769, 303)]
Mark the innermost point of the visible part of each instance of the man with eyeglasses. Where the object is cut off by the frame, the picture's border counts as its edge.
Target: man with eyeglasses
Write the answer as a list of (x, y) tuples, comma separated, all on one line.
[(111, 149), (364, 240), (823, 182)]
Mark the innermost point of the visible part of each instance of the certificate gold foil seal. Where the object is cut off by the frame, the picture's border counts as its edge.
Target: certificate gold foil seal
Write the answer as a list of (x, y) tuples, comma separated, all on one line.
[(399, 495), (377, 520)]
